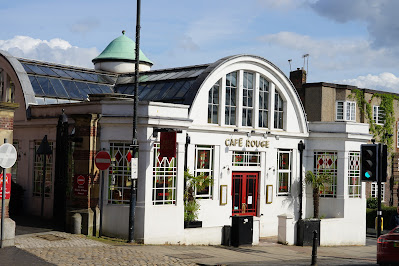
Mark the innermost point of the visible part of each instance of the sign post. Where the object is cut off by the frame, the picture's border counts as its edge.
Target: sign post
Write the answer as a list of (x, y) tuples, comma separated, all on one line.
[(8, 156), (103, 162)]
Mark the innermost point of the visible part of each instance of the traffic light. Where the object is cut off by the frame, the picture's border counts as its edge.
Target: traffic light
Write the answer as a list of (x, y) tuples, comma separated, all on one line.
[(369, 162), (384, 163)]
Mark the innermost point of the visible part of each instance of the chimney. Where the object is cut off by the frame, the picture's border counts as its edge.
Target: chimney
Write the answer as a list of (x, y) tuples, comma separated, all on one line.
[(298, 78)]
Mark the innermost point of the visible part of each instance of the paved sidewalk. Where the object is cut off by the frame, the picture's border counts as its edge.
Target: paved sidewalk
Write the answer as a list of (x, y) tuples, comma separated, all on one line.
[(59, 248)]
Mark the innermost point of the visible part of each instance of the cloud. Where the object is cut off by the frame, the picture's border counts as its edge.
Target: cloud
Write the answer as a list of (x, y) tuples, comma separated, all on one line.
[(333, 54), (384, 81), (380, 17), (85, 25), (54, 51), (284, 4)]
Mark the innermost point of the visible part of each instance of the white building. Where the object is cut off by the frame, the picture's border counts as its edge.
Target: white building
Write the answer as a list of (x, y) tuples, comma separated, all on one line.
[(238, 120)]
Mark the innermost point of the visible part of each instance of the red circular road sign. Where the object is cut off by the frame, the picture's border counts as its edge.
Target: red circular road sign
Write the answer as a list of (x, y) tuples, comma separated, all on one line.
[(102, 160), (81, 180)]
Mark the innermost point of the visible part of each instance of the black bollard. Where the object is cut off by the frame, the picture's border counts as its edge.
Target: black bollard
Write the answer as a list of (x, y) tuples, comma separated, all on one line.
[(314, 248)]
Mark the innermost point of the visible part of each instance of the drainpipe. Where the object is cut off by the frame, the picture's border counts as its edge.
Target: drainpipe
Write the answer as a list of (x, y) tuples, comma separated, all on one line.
[(301, 148)]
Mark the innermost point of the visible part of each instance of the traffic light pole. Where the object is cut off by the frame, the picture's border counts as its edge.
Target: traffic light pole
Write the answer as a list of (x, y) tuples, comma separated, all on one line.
[(379, 177)]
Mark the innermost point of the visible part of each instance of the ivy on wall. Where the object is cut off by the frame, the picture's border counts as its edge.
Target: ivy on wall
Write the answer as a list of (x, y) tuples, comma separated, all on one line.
[(382, 133)]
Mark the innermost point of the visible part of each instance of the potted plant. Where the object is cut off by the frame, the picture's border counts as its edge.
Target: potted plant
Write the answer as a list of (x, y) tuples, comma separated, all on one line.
[(191, 204), (307, 226)]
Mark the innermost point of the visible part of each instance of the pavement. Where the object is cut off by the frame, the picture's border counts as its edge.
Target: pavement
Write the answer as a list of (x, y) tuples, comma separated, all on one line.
[(45, 246)]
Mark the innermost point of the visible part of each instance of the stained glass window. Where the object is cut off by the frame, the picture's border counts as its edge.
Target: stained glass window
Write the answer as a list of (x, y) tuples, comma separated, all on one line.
[(119, 179), (164, 178), (204, 165), (326, 163)]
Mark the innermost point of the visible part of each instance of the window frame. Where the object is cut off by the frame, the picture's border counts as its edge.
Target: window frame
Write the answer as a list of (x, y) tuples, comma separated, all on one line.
[(207, 171), (213, 104), (248, 90), (320, 169), (284, 173), (38, 171), (230, 109), (119, 171), (378, 115), (278, 110), (264, 90), (166, 168), (354, 180), (348, 111), (374, 190)]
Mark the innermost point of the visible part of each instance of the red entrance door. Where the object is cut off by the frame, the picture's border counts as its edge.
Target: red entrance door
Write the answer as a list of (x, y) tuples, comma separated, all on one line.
[(245, 193)]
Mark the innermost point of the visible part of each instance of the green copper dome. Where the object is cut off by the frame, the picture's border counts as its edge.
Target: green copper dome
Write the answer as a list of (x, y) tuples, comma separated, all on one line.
[(122, 48)]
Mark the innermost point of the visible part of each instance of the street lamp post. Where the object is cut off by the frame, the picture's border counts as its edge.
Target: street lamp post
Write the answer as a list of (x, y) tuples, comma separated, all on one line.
[(134, 141)]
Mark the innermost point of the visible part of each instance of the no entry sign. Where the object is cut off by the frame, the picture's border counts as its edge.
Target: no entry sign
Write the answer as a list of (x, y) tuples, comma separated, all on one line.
[(81, 185), (102, 160)]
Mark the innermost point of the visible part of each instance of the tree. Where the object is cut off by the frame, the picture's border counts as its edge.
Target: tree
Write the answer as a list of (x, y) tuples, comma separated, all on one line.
[(317, 182), (191, 204)]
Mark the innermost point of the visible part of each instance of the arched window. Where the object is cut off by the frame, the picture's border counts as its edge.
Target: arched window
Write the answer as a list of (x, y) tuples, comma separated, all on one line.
[(278, 111), (263, 102), (231, 98), (213, 103)]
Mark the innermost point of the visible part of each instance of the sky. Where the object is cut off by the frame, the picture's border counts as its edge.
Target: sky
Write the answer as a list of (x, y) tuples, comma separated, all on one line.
[(352, 42)]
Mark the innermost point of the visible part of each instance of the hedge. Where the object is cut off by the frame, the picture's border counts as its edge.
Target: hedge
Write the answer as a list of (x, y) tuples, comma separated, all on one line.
[(387, 213)]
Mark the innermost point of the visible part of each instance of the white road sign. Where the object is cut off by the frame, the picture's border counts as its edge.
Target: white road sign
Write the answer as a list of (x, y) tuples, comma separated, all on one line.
[(8, 155)]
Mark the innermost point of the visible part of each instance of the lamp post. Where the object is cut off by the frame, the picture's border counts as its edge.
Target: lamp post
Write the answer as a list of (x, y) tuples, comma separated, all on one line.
[(134, 140)]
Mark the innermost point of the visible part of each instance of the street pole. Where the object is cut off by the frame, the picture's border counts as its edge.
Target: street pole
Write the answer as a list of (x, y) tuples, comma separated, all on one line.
[(3, 204), (101, 203), (301, 147), (379, 176), (134, 141)]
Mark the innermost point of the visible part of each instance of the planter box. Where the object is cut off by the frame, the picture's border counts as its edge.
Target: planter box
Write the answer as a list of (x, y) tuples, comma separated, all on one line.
[(193, 224), (305, 232)]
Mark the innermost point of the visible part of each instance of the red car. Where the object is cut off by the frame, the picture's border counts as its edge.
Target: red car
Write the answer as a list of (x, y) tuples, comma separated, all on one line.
[(388, 247)]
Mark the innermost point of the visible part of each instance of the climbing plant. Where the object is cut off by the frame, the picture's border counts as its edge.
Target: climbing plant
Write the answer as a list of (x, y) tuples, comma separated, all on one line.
[(382, 133)]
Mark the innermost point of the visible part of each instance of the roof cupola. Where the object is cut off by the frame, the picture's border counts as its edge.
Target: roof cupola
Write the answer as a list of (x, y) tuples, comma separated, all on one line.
[(120, 57)]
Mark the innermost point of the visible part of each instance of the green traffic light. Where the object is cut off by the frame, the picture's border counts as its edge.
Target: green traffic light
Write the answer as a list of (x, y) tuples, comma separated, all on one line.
[(367, 174)]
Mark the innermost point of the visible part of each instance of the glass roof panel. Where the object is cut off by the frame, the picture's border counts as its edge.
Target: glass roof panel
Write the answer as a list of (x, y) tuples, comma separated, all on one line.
[(84, 89), (171, 75), (73, 74), (95, 88), (105, 88), (183, 90), (106, 79), (94, 77), (87, 77), (143, 78), (154, 91), (36, 69), (46, 86), (121, 88), (158, 76), (145, 91), (50, 100), (59, 89), (72, 90), (162, 91), (197, 73), (36, 87), (173, 90), (48, 71), (27, 69), (61, 73), (130, 90)]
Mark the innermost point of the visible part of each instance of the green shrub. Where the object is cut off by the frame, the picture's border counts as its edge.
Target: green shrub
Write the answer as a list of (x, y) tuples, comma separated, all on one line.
[(372, 203), (387, 213)]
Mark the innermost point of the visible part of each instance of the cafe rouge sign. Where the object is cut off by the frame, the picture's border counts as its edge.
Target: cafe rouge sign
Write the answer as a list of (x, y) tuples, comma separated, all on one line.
[(247, 143)]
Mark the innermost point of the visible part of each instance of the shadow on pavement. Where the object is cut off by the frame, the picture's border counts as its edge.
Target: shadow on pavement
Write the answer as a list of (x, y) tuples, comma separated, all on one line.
[(15, 256), (33, 225)]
